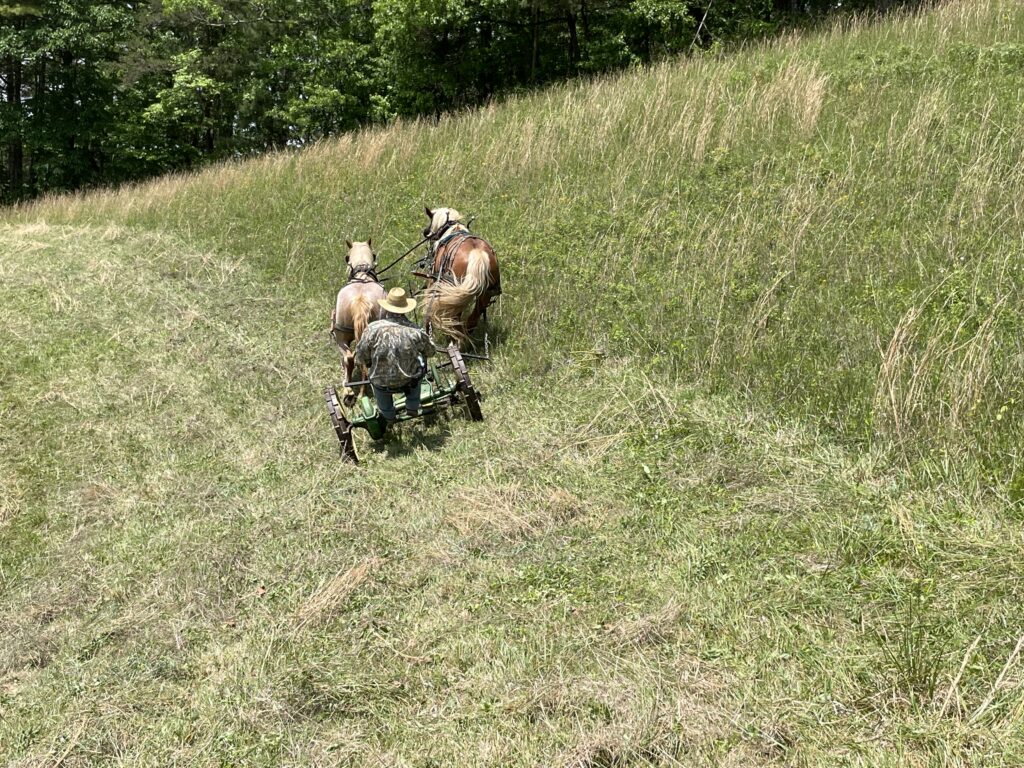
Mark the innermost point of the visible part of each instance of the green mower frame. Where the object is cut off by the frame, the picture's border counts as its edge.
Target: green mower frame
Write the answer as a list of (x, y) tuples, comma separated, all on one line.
[(446, 385)]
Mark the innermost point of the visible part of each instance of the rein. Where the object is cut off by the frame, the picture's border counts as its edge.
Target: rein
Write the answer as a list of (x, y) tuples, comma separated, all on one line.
[(389, 266)]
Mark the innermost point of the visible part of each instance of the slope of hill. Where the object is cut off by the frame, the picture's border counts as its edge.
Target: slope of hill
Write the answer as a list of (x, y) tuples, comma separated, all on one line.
[(748, 492)]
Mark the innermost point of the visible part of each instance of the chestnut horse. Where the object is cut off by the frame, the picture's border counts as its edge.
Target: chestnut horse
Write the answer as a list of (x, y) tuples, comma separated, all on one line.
[(464, 276), (356, 305)]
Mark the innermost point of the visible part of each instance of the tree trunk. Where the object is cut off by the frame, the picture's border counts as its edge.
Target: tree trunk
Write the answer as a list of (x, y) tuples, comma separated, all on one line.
[(15, 146), (534, 59), (574, 42), (791, 7), (208, 138), (38, 105)]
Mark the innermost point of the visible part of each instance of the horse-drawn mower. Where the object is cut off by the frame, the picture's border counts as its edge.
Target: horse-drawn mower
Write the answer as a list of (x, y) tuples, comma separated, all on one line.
[(446, 385)]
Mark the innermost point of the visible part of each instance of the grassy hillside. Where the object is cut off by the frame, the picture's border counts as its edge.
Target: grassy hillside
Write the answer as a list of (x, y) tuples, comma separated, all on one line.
[(749, 488), (833, 223)]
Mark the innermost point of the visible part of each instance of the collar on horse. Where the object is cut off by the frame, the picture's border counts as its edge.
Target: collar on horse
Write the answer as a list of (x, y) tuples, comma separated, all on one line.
[(439, 236), (443, 237), (450, 233), (363, 273), (446, 234)]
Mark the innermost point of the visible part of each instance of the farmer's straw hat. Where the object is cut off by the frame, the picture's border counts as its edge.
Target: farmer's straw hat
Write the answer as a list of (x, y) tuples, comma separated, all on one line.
[(397, 301)]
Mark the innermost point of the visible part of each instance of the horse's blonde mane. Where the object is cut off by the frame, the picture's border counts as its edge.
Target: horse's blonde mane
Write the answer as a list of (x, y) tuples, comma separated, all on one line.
[(441, 215)]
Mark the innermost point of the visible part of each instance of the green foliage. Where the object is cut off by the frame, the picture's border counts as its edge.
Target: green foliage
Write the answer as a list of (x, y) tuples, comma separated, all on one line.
[(104, 92), (15, 10)]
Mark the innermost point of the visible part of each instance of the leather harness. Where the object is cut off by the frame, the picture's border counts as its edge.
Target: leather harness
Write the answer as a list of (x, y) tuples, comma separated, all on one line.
[(362, 273), (450, 242)]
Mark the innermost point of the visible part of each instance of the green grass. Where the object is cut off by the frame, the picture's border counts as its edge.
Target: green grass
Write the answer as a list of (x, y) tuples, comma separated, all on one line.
[(748, 488), (829, 223)]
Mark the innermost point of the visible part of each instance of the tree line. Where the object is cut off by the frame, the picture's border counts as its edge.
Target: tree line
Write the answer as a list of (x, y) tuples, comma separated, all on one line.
[(96, 92)]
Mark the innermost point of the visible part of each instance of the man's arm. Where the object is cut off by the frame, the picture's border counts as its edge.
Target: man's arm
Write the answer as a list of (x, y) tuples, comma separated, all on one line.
[(364, 349), (426, 345)]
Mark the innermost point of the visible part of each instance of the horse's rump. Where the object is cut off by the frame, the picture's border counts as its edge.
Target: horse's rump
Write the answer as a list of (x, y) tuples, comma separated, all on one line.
[(356, 306), (473, 268), (360, 311)]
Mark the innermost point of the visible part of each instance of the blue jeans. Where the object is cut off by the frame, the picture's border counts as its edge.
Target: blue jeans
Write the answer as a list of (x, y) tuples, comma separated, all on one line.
[(386, 399)]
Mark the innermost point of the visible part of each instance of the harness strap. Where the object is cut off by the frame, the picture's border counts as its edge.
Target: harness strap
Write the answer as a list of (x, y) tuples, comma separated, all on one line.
[(363, 273), (446, 237), (451, 244)]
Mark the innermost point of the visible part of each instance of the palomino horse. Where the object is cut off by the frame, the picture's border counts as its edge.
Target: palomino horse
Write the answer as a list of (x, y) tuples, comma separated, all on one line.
[(356, 306), (464, 275)]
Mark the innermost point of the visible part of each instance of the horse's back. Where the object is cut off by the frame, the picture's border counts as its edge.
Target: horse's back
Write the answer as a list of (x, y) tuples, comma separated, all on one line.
[(347, 297), (368, 289)]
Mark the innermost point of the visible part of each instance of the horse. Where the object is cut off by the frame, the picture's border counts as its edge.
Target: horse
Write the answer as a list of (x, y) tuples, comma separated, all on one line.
[(464, 275), (356, 305)]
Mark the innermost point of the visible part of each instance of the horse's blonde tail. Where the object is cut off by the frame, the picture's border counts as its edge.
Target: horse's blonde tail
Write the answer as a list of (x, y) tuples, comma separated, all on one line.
[(445, 303), (361, 308)]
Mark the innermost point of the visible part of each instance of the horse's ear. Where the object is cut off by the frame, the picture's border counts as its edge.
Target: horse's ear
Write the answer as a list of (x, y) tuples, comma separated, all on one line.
[(430, 213), (349, 244), (369, 241)]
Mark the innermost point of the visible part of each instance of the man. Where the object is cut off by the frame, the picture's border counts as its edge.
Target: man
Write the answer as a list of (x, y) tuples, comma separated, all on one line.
[(395, 351)]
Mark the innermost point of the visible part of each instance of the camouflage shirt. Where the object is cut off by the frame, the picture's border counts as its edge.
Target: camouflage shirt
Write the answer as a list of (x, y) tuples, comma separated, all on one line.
[(394, 350)]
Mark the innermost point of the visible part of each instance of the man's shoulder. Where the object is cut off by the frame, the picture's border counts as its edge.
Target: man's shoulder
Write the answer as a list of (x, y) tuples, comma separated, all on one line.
[(396, 323), (372, 331), (389, 326), (380, 325)]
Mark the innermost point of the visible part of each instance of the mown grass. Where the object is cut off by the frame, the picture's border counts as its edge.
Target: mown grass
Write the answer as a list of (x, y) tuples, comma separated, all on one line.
[(744, 495), (608, 571)]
